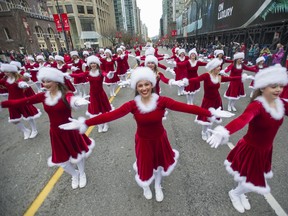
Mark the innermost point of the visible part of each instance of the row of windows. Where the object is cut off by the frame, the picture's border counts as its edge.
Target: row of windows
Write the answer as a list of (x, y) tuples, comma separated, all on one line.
[(80, 9)]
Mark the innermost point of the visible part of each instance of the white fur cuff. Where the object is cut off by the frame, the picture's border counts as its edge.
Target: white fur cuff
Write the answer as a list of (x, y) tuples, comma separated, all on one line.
[(83, 127)]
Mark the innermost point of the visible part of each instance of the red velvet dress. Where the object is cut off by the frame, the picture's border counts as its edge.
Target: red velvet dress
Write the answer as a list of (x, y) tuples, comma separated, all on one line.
[(212, 98), (121, 67), (284, 94), (236, 88), (160, 76), (99, 102), (65, 145), (17, 113), (33, 69), (250, 161), (152, 147), (80, 79), (181, 69), (192, 72), (109, 66)]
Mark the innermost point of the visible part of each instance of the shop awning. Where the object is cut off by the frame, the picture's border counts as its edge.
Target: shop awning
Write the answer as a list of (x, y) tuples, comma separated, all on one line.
[(89, 35)]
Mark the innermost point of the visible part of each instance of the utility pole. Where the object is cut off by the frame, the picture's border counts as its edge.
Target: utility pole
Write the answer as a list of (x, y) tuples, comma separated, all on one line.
[(62, 25)]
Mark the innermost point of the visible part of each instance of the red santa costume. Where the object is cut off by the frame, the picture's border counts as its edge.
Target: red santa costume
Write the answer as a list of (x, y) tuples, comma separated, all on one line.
[(60, 65), (32, 67), (15, 85), (218, 53), (151, 51), (127, 53), (99, 102), (250, 161), (236, 88), (121, 65), (154, 156), (52, 62), (79, 66), (212, 98), (192, 72), (3, 89), (109, 63), (26, 77), (66, 146)]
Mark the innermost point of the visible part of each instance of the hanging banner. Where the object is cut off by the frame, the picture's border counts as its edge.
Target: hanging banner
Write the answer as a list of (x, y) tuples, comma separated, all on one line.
[(57, 22), (65, 22)]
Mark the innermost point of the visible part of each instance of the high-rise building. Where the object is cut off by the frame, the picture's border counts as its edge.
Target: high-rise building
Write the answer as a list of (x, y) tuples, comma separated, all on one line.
[(27, 26), (120, 15), (144, 32), (167, 15), (88, 19)]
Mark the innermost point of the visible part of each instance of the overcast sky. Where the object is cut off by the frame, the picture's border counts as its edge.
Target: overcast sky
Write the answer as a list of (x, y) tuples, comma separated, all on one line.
[(151, 12)]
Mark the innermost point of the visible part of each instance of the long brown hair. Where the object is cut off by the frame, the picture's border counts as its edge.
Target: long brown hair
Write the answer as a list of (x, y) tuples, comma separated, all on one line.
[(63, 89), (256, 93)]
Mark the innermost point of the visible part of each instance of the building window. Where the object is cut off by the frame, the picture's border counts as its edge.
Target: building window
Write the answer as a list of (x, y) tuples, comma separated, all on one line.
[(60, 9), (69, 8), (39, 32), (89, 9), (51, 33), (87, 25), (7, 34), (80, 9)]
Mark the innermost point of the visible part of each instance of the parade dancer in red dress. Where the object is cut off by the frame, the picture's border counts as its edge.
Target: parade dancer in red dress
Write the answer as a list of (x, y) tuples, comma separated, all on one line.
[(154, 156), (67, 147), (62, 66), (212, 98), (236, 88), (99, 102), (79, 66), (121, 65), (32, 67), (51, 61), (109, 63), (15, 86), (218, 53), (251, 159), (192, 72)]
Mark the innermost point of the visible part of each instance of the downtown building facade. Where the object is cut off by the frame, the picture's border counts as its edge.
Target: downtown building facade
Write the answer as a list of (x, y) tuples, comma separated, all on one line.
[(127, 16), (27, 26), (88, 19)]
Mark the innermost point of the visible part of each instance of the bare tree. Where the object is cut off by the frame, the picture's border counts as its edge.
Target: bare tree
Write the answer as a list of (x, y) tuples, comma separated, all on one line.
[(111, 35)]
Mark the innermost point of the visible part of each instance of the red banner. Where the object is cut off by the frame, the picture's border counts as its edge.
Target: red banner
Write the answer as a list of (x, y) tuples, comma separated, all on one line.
[(173, 33), (57, 22), (65, 22)]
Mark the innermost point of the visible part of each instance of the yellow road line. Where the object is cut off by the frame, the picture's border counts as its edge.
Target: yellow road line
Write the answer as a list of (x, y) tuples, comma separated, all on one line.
[(36, 204)]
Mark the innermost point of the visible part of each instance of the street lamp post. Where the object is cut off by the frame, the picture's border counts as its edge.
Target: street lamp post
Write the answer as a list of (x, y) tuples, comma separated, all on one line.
[(62, 25)]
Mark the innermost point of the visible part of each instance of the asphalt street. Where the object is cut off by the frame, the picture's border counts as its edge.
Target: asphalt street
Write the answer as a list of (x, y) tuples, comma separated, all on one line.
[(199, 184)]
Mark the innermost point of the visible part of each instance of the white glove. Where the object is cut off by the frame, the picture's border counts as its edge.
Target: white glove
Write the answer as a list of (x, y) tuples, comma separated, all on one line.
[(250, 77), (218, 113), (138, 58), (73, 68), (110, 75), (67, 76), (185, 82), (178, 83), (75, 124), (222, 72), (172, 72), (122, 56), (220, 135), (81, 102), (27, 75), (244, 77), (174, 63), (131, 55), (124, 83), (23, 85), (166, 56)]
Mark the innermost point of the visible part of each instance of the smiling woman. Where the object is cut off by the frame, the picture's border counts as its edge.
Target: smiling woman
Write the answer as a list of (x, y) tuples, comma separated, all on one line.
[(155, 157)]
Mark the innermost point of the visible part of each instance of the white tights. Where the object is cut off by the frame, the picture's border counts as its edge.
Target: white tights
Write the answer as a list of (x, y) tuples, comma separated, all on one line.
[(240, 189), (70, 169), (190, 98)]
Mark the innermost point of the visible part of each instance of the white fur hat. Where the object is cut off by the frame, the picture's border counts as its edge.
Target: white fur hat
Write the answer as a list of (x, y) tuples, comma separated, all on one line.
[(239, 55), (181, 51), (217, 52), (214, 63), (122, 47), (51, 57), (31, 58), (73, 53), (177, 49), (85, 52), (9, 68), (260, 59), (93, 59), (40, 57), (119, 49), (272, 75), (151, 58), (108, 51), (142, 73), (101, 50), (52, 74), (16, 63), (59, 58), (192, 51), (149, 51)]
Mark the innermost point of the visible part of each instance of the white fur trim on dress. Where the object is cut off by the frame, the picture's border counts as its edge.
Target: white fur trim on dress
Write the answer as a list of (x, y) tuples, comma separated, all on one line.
[(142, 73), (26, 119), (9, 68), (249, 185), (52, 101), (146, 108), (214, 80), (93, 59), (151, 58), (80, 156), (239, 55), (214, 63), (52, 74), (277, 113), (272, 75), (159, 169)]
